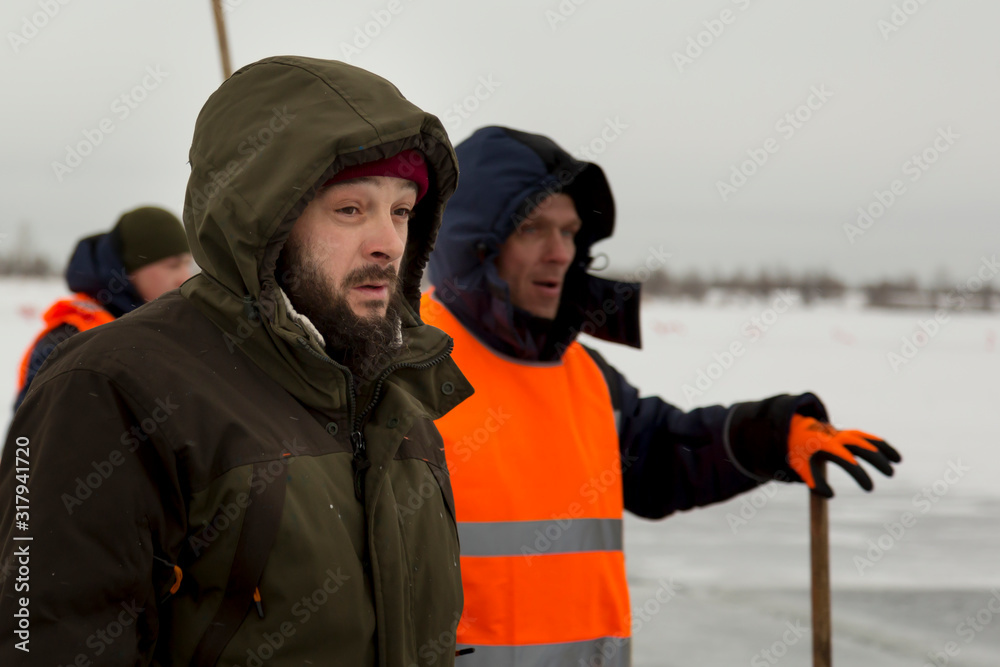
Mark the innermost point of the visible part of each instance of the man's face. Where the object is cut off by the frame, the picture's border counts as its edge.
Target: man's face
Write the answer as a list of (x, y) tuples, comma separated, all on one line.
[(154, 279), (351, 239), (534, 259)]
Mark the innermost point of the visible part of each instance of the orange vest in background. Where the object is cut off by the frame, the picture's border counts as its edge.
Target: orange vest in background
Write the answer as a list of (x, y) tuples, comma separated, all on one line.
[(80, 311), (536, 474)]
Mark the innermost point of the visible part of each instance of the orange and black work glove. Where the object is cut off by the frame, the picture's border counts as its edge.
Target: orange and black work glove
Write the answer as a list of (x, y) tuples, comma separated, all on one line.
[(810, 442)]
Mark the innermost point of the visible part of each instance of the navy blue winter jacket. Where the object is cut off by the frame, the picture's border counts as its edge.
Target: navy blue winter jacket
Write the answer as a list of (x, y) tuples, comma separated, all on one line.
[(671, 460), (95, 269)]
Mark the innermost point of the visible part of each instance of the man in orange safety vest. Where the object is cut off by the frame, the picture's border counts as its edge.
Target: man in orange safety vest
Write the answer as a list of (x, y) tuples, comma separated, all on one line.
[(556, 444)]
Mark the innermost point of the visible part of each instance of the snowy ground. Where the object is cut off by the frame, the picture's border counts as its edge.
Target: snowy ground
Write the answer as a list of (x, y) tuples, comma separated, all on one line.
[(902, 593), (915, 565)]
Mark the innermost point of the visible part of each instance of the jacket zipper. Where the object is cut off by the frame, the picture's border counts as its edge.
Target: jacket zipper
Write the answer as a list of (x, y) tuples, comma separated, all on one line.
[(358, 437), (360, 461)]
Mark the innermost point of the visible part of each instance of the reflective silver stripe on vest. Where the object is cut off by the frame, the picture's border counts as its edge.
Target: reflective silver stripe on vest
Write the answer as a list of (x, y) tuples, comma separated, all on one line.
[(533, 538), (603, 652)]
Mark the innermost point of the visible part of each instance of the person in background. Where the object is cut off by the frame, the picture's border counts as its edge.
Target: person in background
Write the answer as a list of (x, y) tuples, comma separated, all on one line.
[(556, 444), (144, 255)]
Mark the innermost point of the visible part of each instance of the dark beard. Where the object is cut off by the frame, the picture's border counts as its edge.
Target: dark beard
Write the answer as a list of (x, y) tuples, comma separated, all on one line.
[(365, 344)]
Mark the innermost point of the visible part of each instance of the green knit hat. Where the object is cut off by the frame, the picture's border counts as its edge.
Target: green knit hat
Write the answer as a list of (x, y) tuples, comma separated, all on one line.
[(147, 235)]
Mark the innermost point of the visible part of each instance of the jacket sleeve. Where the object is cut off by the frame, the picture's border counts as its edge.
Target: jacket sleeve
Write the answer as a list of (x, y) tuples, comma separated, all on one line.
[(85, 511), (40, 352), (675, 460)]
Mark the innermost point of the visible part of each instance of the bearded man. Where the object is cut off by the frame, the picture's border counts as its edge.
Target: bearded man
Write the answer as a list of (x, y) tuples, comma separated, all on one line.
[(246, 470)]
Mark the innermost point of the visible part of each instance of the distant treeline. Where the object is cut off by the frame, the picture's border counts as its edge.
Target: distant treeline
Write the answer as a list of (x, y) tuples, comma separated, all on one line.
[(971, 294), (35, 266), (20, 258)]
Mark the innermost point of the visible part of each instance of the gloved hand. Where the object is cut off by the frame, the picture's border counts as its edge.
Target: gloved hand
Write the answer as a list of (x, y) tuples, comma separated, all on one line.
[(810, 442)]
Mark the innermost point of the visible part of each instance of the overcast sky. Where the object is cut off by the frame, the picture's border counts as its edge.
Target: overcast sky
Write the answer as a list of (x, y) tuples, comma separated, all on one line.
[(670, 98)]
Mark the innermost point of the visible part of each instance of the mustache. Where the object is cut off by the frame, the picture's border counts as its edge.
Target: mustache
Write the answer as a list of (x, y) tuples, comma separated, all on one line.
[(372, 273)]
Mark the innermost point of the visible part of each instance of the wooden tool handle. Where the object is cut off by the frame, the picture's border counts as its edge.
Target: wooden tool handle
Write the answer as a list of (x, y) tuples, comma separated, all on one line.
[(819, 546)]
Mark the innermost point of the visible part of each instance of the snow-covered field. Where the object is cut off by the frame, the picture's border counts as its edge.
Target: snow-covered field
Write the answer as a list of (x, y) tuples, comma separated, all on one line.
[(915, 565)]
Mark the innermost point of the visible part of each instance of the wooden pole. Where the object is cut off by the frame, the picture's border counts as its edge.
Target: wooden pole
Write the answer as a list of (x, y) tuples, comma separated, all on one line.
[(819, 546), (220, 28)]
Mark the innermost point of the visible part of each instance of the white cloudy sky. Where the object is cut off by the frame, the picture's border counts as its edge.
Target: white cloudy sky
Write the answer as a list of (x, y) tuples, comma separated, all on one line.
[(685, 123)]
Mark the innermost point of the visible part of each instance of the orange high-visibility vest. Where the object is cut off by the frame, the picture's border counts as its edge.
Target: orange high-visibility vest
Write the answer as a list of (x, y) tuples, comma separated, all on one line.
[(536, 474), (80, 311)]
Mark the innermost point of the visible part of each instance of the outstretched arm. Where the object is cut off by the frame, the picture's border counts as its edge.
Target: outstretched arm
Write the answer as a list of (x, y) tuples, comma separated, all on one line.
[(675, 460), (686, 459)]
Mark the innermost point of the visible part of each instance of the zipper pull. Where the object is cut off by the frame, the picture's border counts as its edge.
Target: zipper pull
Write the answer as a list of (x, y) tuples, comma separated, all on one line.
[(359, 463), (257, 601)]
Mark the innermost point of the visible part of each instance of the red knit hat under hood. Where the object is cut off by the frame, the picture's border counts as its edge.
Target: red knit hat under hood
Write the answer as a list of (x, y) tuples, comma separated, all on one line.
[(409, 165)]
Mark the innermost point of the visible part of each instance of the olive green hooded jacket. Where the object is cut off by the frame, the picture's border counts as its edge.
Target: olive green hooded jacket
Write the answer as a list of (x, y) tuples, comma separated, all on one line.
[(202, 483)]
